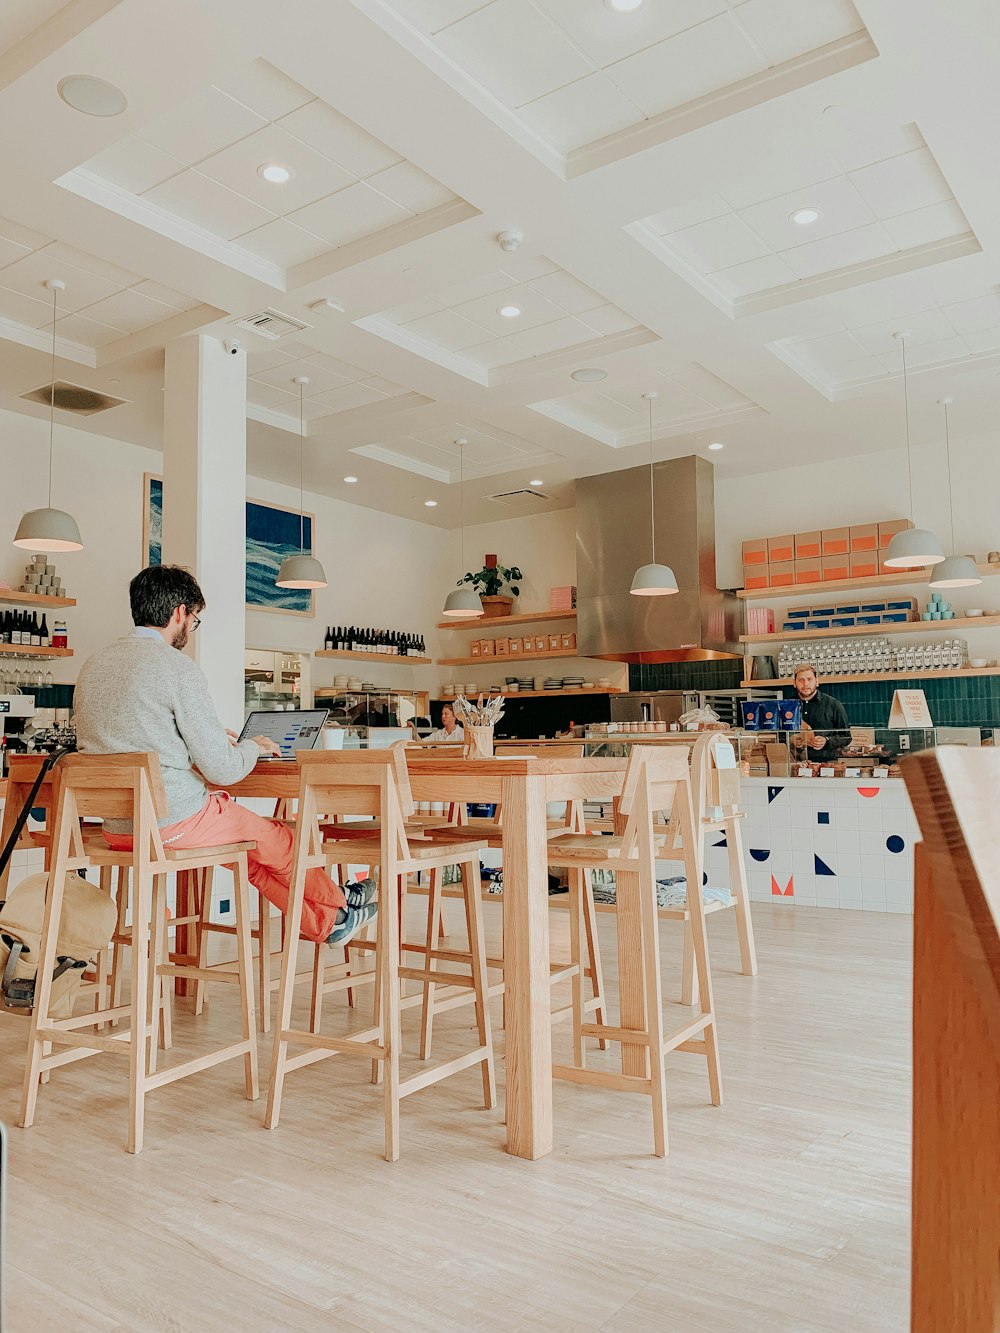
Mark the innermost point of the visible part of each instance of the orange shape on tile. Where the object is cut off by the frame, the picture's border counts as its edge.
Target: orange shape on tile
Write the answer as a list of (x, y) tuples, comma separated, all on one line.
[(788, 891), (869, 791)]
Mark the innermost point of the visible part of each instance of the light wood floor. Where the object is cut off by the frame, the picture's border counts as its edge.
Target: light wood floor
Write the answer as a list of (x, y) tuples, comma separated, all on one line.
[(785, 1211)]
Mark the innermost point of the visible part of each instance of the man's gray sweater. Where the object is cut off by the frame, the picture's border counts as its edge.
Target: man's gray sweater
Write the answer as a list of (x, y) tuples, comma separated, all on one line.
[(139, 694)]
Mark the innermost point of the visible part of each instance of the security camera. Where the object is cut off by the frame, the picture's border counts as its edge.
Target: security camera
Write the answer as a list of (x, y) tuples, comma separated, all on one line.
[(233, 347)]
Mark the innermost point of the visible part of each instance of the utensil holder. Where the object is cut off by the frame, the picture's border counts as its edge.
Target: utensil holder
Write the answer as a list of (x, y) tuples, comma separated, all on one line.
[(478, 742)]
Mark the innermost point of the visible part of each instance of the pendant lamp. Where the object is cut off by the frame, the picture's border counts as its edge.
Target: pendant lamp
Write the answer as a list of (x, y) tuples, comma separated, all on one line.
[(49, 529), (302, 570), (652, 580), (462, 602), (913, 548), (958, 571)]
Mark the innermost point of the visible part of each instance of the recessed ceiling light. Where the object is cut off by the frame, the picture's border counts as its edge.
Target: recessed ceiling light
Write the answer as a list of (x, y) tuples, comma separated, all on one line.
[(275, 173), (623, 6), (805, 216), (94, 97), (537, 482), (509, 311), (350, 480), (430, 504), (716, 445), (589, 375)]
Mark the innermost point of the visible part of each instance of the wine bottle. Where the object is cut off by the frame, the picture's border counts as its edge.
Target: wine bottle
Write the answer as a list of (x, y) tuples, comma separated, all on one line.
[(15, 637), (327, 640), (44, 633)]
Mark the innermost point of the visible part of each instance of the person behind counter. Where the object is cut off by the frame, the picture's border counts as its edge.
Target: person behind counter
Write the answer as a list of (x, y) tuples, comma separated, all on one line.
[(450, 729), (820, 713), (136, 695)]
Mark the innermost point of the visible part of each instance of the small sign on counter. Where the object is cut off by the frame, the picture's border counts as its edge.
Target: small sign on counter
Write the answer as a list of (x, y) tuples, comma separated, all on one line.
[(909, 709)]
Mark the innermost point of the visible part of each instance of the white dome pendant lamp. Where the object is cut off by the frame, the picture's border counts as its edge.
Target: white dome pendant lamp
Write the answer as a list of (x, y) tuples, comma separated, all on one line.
[(652, 580), (302, 570), (913, 548), (49, 529), (462, 602), (958, 571)]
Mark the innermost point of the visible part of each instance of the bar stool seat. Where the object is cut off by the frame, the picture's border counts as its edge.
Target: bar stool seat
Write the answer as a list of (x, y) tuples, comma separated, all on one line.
[(129, 787)]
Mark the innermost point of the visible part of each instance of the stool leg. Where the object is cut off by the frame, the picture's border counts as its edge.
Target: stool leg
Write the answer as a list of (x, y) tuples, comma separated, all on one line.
[(480, 977), (103, 1000), (121, 898), (689, 977), (594, 953), (741, 892), (650, 928), (388, 952), (577, 891), (43, 986), (377, 987), (204, 907), (244, 963), (264, 961), (433, 925), (139, 1017), (316, 998), (154, 978), (292, 924)]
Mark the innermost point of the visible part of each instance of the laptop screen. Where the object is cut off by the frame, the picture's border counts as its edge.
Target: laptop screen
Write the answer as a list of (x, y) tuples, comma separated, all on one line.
[(297, 729)]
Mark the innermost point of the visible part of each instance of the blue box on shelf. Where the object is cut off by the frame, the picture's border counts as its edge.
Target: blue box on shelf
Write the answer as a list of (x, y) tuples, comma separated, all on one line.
[(873, 606), (895, 617), (803, 614), (869, 620), (843, 622), (849, 609), (818, 624)]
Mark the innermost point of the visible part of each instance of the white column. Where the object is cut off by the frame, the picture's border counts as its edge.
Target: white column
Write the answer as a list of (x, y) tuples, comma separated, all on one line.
[(204, 502)]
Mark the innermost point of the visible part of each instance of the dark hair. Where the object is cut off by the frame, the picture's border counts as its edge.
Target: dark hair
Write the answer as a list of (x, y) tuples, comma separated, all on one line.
[(158, 590)]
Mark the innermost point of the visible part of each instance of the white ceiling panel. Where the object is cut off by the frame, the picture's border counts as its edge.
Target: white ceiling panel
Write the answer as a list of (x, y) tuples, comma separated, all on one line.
[(209, 122), (135, 165), (759, 275), (410, 188), (129, 311), (586, 109), (237, 168), (347, 144), (839, 252), (89, 332), (349, 214), (24, 309), (901, 184), (448, 330), (840, 208), (606, 36), (208, 204), (283, 243), (264, 89), (28, 276), (784, 29), (720, 243)]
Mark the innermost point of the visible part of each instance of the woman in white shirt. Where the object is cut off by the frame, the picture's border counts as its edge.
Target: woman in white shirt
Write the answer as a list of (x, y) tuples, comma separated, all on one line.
[(450, 728)]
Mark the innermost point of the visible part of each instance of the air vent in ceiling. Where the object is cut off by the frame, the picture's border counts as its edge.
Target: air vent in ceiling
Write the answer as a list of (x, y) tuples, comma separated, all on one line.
[(524, 498), (270, 324), (73, 398)]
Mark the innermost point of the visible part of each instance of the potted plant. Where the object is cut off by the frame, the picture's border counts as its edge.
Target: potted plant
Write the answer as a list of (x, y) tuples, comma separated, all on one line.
[(489, 583)]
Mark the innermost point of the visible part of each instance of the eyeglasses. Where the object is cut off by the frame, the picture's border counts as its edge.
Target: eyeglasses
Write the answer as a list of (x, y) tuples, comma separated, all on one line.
[(197, 622)]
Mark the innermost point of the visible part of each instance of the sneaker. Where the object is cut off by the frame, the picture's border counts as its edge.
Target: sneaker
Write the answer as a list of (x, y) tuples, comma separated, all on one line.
[(360, 894), (349, 921)]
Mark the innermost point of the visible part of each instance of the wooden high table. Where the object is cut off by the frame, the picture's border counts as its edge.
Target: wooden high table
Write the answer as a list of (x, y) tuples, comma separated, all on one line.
[(523, 785)]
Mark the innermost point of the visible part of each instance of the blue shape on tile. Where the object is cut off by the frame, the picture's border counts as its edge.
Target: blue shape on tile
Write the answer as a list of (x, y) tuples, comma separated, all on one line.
[(704, 879), (822, 816), (772, 792), (895, 843), (721, 843), (821, 867), (760, 853)]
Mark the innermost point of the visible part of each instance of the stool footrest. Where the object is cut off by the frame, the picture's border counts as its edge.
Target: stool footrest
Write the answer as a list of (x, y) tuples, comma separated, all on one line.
[(678, 1039), (436, 978), (600, 1078), (424, 1080), (629, 1036), (171, 1075), (220, 972), (361, 1043)]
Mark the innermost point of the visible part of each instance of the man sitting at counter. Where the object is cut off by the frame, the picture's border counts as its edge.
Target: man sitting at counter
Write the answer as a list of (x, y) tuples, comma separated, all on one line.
[(136, 696), (820, 713)]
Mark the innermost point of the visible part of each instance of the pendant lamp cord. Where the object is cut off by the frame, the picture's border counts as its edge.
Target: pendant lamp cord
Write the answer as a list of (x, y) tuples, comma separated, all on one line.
[(951, 491), (652, 507), (461, 492), (52, 388), (906, 417), (302, 445)]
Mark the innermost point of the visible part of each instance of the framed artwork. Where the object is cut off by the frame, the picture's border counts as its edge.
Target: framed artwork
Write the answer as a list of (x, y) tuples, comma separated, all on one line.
[(152, 519), (272, 534)]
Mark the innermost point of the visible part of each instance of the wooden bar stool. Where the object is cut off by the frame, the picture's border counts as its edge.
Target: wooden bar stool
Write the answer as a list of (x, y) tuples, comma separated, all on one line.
[(656, 780), (129, 787), (375, 782)]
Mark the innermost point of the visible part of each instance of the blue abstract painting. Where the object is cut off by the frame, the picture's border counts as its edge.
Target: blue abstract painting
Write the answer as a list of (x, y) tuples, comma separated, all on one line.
[(273, 534)]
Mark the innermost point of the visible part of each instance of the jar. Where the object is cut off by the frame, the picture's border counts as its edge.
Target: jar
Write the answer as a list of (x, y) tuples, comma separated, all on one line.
[(59, 637)]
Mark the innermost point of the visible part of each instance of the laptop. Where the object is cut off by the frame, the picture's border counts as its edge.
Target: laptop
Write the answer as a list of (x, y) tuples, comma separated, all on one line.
[(295, 729)]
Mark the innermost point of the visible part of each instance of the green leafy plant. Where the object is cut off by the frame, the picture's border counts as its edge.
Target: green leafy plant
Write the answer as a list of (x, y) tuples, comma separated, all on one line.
[(489, 581)]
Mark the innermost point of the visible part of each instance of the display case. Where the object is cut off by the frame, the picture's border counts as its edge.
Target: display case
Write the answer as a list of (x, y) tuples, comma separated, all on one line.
[(372, 708), (274, 680)]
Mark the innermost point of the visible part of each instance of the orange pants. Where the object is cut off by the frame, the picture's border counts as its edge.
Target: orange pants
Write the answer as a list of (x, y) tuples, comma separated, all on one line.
[(220, 821)]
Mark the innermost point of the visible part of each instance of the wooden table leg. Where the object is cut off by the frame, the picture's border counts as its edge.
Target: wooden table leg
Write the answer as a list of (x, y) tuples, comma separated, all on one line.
[(631, 976), (182, 907), (526, 968)]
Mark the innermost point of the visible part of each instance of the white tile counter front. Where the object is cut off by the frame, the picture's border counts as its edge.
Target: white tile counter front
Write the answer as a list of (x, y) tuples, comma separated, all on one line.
[(825, 842)]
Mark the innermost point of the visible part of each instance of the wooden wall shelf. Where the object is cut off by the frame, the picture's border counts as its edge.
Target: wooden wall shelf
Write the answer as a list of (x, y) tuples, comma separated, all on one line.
[(861, 631), (374, 658), (806, 592), (569, 656), (498, 622), (29, 650), (546, 694), (11, 598), (967, 674)]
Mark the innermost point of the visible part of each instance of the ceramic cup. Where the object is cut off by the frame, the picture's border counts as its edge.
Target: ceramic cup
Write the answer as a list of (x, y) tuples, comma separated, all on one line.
[(993, 558)]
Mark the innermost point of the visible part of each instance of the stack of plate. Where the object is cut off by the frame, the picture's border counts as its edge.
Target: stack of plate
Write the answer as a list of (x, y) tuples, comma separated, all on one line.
[(573, 682), (552, 683)]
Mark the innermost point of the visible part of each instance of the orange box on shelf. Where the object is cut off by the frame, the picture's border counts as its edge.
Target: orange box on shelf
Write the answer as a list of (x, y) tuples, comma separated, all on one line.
[(808, 545), (808, 571), (476, 648), (836, 541), (864, 537), (755, 552), (781, 575), (541, 643), (514, 647), (568, 643), (487, 647), (555, 643), (864, 564), (886, 531), (755, 576), (836, 567), (502, 647), (780, 549)]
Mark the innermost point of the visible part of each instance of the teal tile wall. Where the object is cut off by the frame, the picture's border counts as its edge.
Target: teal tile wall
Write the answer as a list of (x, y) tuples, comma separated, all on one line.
[(974, 701), (721, 675)]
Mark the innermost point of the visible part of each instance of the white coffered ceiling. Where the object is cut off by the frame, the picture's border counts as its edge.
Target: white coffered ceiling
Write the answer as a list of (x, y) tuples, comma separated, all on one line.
[(649, 162)]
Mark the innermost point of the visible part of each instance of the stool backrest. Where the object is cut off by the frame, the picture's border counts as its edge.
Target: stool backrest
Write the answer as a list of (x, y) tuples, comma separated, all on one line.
[(21, 774), (661, 777), (125, 787), (356, 782)]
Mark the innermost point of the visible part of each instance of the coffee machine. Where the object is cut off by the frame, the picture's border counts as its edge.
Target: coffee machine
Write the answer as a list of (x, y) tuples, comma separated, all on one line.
[(16, 713)]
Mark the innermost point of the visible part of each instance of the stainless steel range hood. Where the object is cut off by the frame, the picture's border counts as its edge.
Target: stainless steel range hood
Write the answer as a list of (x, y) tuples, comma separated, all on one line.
[(697, 623)]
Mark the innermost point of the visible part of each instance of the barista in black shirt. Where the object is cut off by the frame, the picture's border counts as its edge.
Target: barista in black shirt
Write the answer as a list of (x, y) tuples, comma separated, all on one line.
[(823, 713)]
